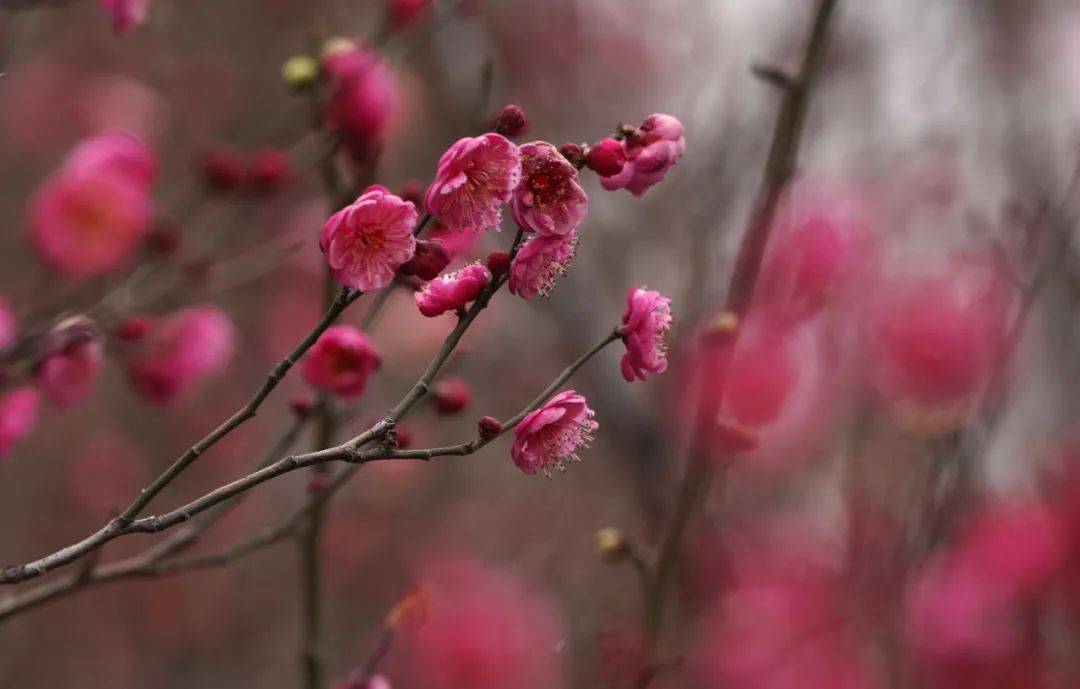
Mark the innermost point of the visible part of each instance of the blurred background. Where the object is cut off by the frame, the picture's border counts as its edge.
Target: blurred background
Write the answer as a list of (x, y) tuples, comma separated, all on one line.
[(904, 511)]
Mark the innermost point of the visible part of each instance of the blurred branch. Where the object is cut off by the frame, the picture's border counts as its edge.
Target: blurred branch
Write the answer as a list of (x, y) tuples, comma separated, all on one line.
[(147, 563), (125, 522), (779, 168)]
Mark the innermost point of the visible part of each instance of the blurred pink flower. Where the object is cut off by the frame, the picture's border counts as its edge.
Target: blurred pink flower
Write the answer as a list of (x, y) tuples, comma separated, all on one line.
[(180, 352), (126, 14), (18, 417), (475, 177), (650, 152), (366, 242), (68, 375), (341, 361), (484, 630), (940, 338), (552, 434), (549, 199), (539, 263), (364, 100), (453, 291), (645, 324), (92, 213), (9, 326)]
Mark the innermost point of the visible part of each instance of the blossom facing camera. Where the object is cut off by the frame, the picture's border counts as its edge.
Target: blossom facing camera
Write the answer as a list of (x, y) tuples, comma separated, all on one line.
[(341, 361), (366, 242), (539, 263), (18, 417), (549, 199), (650, 151), (454, 291), (90, 216), (180, 352), (475, 177), (645, 324), (552, 435), (126, 14)]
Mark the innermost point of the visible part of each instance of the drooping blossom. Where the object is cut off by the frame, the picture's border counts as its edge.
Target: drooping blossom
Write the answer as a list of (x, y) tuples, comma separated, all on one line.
[(18, 417), (650, 151), (366, 242), (126, 14), (452, 291), (180, 352), (364, 99), (92, 213), (70, 369), (645, 324), (451, 395), (9, 326), (341, 361), (484, 629), (552, 435), (475, 177), (539, 263), (549, 199)]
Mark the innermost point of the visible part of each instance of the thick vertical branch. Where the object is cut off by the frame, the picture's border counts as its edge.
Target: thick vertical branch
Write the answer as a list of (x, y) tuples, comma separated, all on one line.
[(780, 166)]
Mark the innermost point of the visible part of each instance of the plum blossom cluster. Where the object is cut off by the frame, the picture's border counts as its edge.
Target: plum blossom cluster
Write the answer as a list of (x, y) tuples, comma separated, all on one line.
[(374, 241)]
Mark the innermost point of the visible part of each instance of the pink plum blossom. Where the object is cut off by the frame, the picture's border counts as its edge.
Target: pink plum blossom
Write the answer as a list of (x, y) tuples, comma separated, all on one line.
[(126, 14), (180, 352), (366, 242), (68, 375), (549, 199), (453, 291), (364, 100), (645, 324), (341, 361), (539, 263), (475, 177), (650, 152), (552, 434), (18, 416), (88, 218), (484, 629)]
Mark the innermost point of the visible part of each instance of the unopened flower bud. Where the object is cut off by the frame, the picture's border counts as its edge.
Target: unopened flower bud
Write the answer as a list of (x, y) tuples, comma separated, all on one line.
[(489, 428), (498, 262), (404, 436), (301, 405), (268, 170), (133, 328), (611, 545), (430, 259), (573, 153), (451, 395), (510, 121), (222, 169), (300, 72), (606, 158)]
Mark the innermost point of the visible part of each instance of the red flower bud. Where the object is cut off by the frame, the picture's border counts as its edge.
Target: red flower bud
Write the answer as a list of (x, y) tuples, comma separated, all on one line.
[(133, 328), (222, 169), (451, 395), (489, 428), (301, 405), (269, 170), (510, 121), (606, 158), (404, 436), (401, 13), (572, 152), (430, 259), (498, 262)]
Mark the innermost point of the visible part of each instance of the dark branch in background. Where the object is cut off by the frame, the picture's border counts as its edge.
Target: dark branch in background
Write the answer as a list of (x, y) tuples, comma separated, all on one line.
[(779, 168), (125, 522)]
